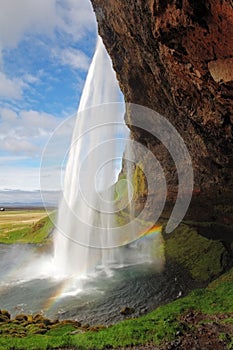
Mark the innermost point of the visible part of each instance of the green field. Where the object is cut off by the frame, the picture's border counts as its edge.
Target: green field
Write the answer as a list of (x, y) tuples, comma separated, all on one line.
[(25, 226)]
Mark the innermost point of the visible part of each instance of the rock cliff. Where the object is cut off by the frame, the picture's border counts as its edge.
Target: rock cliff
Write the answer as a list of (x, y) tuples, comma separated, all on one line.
[(176, 57)]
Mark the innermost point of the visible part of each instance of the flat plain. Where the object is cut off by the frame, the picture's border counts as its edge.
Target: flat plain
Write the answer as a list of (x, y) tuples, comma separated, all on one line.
[(24, 225)]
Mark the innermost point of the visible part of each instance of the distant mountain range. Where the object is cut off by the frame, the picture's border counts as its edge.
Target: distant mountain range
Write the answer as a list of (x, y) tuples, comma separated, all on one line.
[(21, 198)]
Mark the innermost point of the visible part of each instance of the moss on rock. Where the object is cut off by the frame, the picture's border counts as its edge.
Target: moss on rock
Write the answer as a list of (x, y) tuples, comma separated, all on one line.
[(139, 182), (204, 259)]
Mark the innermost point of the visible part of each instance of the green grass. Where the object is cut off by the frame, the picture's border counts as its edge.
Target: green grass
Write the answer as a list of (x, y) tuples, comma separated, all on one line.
[(226, 277), (202, 258), (25, 227), (157, 327), (41, 230)]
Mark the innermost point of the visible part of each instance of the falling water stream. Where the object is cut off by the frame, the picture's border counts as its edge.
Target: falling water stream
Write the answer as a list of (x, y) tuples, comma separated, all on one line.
[(96, 269), (88, 235), (84, 237)]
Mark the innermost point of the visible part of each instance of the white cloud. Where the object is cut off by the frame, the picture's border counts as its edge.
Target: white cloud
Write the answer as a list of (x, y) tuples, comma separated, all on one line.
[(18, 146), (9, 159), (19, 178), (35, 120), (30, 179), (14, 88), (76, 59), (26, 132), (7, 116), (26, 123), (31, 79), (73, 17), (23, 131), (68, 20), (17, 17), (36, 137), (10, 88), (77, 17)]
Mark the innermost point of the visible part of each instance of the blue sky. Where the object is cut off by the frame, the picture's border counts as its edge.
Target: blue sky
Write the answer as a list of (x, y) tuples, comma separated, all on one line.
[(45, 51)]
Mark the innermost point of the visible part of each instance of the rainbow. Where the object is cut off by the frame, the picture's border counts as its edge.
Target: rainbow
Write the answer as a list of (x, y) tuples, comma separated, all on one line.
[(59, 292), (154, 230)]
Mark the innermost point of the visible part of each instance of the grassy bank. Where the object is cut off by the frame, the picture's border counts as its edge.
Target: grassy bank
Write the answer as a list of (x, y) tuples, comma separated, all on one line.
[(162, 325), (25, 226)]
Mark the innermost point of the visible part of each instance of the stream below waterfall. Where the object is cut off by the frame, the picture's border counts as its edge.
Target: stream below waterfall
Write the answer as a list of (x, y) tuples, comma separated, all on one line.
[(87, 299)]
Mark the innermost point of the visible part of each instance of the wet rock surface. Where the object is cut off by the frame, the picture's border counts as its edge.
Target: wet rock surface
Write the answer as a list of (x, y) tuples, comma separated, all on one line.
[(25, 325)]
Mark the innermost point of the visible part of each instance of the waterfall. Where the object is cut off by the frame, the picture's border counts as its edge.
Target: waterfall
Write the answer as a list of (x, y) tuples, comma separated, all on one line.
[(85, 234)]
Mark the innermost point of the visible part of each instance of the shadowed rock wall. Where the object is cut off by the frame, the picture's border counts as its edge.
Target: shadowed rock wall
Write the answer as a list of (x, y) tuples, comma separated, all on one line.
[(176, 57)]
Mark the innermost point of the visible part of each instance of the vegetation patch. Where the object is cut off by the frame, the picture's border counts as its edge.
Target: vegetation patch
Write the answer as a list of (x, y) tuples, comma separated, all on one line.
[(139, 182), (26, 226), (202, 257)]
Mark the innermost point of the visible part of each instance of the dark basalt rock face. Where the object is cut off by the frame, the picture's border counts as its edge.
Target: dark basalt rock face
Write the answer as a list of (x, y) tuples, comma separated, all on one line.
[(176, 57)]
